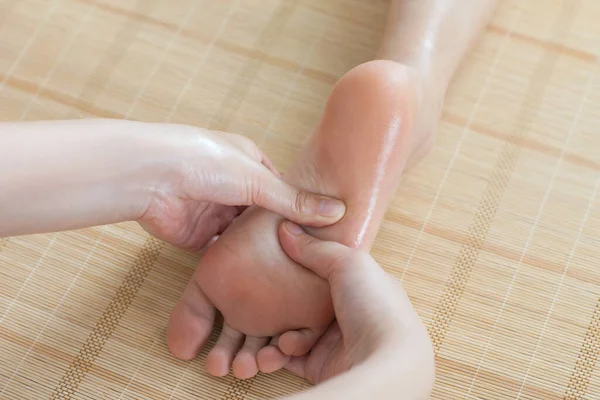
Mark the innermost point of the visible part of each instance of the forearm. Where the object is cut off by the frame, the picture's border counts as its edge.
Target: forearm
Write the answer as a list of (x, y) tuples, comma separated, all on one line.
[(72, 174)]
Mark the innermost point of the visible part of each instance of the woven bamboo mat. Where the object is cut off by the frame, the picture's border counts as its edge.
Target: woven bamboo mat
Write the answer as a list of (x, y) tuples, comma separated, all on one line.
[(495, 234)]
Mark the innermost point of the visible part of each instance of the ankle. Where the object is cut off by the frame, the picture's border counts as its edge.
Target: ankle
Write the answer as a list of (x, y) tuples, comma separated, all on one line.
[(429, 94)]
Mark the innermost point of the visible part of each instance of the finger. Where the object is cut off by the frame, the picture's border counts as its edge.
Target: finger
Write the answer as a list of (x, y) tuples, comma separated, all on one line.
[(329, 346), (269, 165), (211, 242), (245, 365), (250, 148), (219, 359), (297, 366), (270, 358), (323, 258), (190, 323), (305, 208), (240, 210), (298, 343), (206, 223)]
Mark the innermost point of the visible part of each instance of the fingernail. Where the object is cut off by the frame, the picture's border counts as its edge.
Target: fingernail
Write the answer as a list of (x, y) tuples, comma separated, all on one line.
[(332, 208), (294, 229)]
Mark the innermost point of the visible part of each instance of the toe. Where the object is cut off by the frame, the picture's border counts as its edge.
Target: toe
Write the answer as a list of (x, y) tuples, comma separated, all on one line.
[(270, 358), (245, 365), (219, 359), (190, 324), (297, 343)]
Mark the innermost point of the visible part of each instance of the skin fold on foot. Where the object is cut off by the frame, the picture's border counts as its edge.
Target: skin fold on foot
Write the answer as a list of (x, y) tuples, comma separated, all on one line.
[(357, 154)]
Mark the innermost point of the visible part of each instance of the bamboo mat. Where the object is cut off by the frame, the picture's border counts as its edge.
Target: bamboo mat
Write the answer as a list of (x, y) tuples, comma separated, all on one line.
[(496, 234)]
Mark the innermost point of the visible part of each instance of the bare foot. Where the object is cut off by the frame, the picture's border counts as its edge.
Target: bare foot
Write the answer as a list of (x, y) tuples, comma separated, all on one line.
[(357, 154)]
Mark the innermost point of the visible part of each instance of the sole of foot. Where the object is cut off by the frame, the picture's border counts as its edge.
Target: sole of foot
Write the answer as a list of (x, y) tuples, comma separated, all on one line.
[(357, 153)]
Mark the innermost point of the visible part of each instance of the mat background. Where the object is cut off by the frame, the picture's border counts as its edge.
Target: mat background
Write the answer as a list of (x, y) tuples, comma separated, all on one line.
[(495, 234)]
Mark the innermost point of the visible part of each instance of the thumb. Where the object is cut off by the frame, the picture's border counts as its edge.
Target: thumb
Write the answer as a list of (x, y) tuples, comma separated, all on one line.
[(300, 206), (323, 258)]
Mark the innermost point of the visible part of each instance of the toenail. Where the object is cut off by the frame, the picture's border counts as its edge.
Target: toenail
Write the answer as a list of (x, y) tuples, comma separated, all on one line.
[(293, 228), (332, 208)]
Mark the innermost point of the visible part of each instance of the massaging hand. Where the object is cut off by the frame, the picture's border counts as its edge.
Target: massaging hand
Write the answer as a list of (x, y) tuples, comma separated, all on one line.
[(217, 173), (377, 331), (182, 183)]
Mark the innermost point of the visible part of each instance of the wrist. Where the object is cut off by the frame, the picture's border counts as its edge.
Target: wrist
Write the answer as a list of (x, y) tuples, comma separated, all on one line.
[(137, 160), (151, 167), (169, 150)]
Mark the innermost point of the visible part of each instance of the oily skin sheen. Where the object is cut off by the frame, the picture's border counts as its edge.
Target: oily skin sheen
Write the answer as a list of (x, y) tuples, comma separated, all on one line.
[(339, 161), (246, 274), (379, 120)]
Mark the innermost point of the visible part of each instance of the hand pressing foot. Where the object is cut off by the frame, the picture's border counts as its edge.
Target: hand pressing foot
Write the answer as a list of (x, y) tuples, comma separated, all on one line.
[(357, 154), (377, 347)]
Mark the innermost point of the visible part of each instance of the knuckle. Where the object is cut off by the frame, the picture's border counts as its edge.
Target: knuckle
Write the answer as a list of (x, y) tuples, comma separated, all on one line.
[(256, 152), (311, 242), (249, 147), (341, 260), (301, 204), (247, 142), (253, 192)]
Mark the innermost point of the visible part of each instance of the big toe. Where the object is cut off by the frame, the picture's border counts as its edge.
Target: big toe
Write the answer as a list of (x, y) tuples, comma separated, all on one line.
[(190, 324)]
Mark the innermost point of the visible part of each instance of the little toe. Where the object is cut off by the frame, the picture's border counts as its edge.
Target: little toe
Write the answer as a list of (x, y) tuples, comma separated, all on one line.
[(219, 359), (297, 343), (245, 365), (270, 358), (190, 323)]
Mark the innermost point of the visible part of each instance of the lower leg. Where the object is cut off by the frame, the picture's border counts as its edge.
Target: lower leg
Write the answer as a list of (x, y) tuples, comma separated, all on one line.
[(432, 37)]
